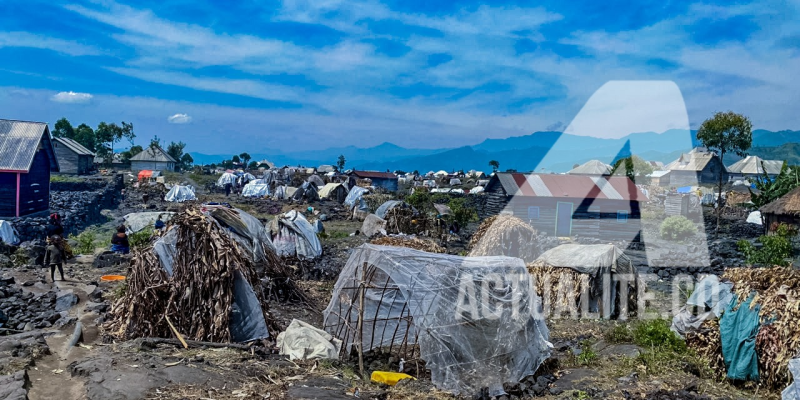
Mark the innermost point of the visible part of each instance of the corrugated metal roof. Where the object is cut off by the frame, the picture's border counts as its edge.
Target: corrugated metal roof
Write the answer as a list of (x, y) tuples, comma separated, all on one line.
[(19, 141), (695, 160), (374, 174), (591, 167), (74, 146), (153, 153), (753, 165), (570, 186)]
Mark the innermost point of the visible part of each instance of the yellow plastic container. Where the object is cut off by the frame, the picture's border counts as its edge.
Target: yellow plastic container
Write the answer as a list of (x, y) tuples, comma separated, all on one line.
[(109, 278), (389, 378)]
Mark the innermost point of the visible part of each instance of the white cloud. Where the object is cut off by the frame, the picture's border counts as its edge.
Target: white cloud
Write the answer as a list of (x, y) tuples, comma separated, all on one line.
[(71, 97), (179, 119), (30, 40)]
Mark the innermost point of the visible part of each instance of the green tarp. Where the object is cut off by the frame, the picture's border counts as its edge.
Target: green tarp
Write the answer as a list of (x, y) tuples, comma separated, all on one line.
[(738, 328)]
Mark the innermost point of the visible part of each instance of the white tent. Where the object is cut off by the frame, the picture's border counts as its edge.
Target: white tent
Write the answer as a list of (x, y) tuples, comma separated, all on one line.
[(476, 190), (225, 179), (247, 177), (315, 179), (8, 234), (255, 189), (455, 181), (180, 193), (293, 235), (441, 173), (754, 218)]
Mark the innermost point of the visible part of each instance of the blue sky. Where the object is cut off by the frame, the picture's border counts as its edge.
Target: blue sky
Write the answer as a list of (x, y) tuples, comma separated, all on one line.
[(263, 75)]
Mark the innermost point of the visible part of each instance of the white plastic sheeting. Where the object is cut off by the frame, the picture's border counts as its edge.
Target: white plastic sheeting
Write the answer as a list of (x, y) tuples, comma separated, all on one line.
[(225, 179), (280, 193), (254, 189), (180, 193), (301, 341), (792, 392), (254, 237), (247, 177), (8, 234), (136, 222), (293, 235), (476, 190), (354, 199), (754, 218), (477, 320), (315, 179), (455, 181), (386, 206), (373, 225), (711, 297)]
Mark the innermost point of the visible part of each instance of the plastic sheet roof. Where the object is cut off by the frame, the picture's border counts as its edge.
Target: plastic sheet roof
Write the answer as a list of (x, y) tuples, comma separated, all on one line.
[(754, 165)]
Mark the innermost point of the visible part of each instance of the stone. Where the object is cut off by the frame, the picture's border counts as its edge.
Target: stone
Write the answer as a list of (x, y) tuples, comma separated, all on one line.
[(12, 387), (66, 301)]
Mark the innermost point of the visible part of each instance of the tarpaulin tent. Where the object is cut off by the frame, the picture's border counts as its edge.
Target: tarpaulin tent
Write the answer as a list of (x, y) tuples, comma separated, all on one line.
[(600, 262), (254, 189), (180, 193), (293, 235), (388, 205), (455, 181), (315, 179), (8, 234), (475, 319), (307, 191), (136, 222), (476, 190), (225, 179), (333, 191), (246, 177), (281, 193), (354, 198)]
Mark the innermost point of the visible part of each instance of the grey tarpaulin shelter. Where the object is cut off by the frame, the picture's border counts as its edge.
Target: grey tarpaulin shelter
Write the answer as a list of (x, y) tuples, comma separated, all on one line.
[(307, 191), (255, 189), (136, 222), (388, 205), (293, 235), (247, 321), (8, 234), (474, 319), (599, 262), (315, 179), (354, 198), (225, 179), (180, 193)]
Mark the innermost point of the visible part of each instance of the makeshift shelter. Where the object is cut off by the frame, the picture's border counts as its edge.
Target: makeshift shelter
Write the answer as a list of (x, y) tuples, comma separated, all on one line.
[(440, 308), (505, 235), (245, 178), (8, 234), (225, 179), (198, 280), (147, 175), (180, 193), (355, 198), (386, 180), (388, 205), (476, 190), (316, 180), (294, 236), (785, 209), (333, 191), (455, 182), (307, 191), (136, 222), (281, 193), (600, 271), (255, 189)]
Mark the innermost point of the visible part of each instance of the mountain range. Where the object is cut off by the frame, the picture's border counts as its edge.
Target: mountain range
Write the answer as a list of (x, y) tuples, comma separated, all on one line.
[(550, 151)]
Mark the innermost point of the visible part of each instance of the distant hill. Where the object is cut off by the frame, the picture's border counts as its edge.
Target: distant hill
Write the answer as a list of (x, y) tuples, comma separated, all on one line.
[(524, 153)]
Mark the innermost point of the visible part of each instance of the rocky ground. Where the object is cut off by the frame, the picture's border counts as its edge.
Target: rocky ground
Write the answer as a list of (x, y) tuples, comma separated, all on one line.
[(590, 359)]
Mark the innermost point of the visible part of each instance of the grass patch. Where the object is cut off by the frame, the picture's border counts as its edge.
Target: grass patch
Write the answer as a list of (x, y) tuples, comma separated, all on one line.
[(333, 235), (202, 179), (141, 238), (584, 356), (89, 240), (620, 333), (656, 333), (64, 178)]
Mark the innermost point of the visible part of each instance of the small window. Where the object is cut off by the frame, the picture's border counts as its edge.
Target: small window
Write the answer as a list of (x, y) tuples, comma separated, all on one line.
[(622, 217), (533, 212)]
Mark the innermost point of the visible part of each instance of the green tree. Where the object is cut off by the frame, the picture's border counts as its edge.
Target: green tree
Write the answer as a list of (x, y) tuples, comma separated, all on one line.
[(186, 161), (245, 158), (107, 135), (136, 149), (236, 159), (175, 150), (726, 132), (634, 167), (340, 162), (155, 142), (63, 128), (253, 165), (84, 134), (495, 165)]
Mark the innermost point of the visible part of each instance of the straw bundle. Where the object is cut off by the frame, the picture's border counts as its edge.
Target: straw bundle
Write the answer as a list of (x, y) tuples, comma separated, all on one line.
[(505, 235), (405, 220), (409, 242), (376, 200), (707, 342), (198, 298), (564, 285)]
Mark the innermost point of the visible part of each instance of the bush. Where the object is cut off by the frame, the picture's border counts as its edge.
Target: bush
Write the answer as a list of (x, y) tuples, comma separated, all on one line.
[(462, 214), (85, 242), (656, 334), (141, 238), (775, 250), (677, 228)]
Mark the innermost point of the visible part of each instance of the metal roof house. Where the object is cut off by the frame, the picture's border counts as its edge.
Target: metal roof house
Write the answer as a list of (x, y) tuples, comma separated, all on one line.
[(699, 166), (752, 166), (386, 180), (73, 158), (27, 158), (153, 158), (591, 167), (604, 207)]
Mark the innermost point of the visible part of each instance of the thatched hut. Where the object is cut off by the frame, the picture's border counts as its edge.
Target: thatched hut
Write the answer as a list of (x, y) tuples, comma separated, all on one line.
[(785, 209)]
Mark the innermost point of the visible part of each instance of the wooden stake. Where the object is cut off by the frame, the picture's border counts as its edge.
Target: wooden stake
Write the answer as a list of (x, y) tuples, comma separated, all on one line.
[(360, 327), (177, 334)]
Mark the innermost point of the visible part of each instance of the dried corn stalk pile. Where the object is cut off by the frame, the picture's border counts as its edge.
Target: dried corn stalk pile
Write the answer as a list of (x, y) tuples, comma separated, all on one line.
[(405, 220), (410, 242), (777, 291), (565, 285), (506, 235), (198, 297), (707, 342), (376, 200)]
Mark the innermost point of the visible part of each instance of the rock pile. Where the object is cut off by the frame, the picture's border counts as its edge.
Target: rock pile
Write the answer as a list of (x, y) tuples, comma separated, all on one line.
[(26, 311)]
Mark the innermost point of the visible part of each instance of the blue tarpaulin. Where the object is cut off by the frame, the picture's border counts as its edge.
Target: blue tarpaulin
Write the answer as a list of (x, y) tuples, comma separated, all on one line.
[(685, 189), (738, 329)]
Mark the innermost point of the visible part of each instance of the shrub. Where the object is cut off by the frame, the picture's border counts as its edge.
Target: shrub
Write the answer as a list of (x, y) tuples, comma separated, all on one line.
[(656, 334), (775, 250), (677, 227), (85, 242), (462, 213), (141, 238)]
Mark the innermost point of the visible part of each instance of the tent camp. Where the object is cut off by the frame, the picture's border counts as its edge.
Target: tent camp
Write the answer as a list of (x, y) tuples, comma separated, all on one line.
[(8, 234), (455, 182), (470, 337), (136, 222), (597, 262), (226, 178), (255, 189), (180, 193), (294, 236), (333, 191)]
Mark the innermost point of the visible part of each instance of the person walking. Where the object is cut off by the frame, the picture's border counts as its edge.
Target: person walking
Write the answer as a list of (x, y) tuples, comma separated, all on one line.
[(53, 257)]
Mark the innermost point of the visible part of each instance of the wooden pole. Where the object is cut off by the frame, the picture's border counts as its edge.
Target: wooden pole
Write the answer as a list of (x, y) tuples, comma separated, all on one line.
[(360, 325)]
